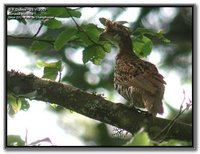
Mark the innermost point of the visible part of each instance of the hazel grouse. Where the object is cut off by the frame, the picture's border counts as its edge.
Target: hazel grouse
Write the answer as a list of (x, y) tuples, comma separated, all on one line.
[(138, 81)]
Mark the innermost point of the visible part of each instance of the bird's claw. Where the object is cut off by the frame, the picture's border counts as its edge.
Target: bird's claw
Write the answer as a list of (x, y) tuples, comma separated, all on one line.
[(146, 113)]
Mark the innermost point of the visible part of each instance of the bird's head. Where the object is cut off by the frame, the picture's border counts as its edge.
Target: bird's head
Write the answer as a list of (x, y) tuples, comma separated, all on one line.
[(115, 32)]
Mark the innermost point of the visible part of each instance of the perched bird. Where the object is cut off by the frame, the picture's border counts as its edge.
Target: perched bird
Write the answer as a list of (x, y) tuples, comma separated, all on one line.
[(138, 81)]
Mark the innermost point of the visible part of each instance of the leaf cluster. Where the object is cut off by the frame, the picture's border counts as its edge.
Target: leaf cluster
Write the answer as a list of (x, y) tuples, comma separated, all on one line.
[(86, 35)]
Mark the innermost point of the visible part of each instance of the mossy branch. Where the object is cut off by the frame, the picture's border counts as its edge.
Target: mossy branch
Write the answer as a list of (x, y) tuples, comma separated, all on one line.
[(94, 106)]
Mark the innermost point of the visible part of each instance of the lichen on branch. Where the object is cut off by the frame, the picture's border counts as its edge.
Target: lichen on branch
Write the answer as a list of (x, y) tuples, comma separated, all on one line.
[(93, 106)]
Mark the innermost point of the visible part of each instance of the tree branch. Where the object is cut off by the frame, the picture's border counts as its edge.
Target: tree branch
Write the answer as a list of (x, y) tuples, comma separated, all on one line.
[(93, 106), (31, 38)]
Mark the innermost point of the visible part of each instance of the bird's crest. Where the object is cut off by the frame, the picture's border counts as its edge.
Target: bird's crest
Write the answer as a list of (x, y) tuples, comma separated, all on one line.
[(118, 27)]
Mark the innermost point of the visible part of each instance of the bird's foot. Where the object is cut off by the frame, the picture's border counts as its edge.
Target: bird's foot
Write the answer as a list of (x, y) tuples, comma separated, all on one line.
[(146, 113)]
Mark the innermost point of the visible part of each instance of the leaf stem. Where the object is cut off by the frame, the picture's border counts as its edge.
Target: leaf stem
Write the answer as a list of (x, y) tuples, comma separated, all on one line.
[(38, 30), (82, 30)]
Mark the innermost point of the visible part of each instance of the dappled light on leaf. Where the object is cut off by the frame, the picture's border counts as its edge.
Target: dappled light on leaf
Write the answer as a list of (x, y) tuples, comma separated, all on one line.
[(51, 70), (93, 53), (53, 24)]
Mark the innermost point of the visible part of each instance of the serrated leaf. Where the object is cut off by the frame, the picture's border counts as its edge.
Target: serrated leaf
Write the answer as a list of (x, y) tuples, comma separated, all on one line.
[(142, 47), (64, 37), (94, 54), (140, 139), (53, 24), (38, 46)]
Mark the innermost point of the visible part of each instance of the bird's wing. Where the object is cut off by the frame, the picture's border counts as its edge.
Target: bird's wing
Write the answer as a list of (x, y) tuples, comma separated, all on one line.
[(145, 76)]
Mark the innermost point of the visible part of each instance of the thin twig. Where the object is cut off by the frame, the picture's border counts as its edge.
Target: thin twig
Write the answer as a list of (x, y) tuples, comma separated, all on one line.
[(77, 25), (31, 38), (170, 124), (38, 30)]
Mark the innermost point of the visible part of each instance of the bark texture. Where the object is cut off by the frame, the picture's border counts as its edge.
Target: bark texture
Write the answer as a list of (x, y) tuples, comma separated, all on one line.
[(94, 106)]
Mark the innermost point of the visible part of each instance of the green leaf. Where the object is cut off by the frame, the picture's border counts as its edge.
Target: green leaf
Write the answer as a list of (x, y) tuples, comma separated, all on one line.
[(94, 54), (61, 12), (92, 30), (54, 12), (64, 37), (74, 13), (140, 139), (142, 46), (50, 73), (145, 31), (39, 46), (89, 34), (25, 104), (83, 38), (57, 65), (107, 45), (103, 21), (53, 24), (16, 104), (50, 69), (15, 140), (161, 36)]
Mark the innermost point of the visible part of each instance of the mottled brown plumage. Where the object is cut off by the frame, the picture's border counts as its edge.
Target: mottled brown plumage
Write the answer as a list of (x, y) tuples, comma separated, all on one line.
[(138, 81)]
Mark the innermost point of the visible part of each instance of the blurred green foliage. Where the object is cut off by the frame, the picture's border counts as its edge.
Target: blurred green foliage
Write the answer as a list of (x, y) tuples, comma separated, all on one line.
[(15, 140), (60, 39)]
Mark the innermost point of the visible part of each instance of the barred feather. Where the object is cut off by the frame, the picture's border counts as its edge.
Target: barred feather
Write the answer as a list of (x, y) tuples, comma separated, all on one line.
[(136, 80)]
